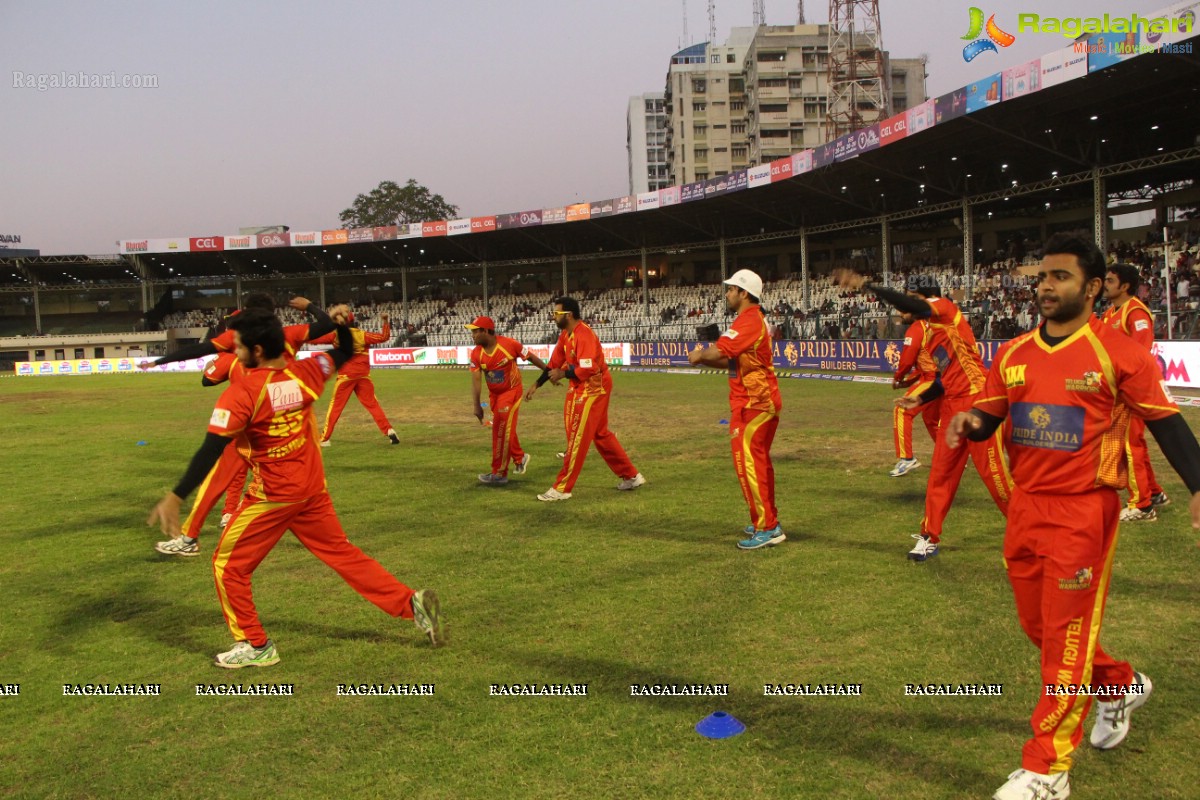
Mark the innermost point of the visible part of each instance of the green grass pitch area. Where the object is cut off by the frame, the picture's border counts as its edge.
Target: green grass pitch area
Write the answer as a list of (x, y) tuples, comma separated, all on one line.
[(609, 589)]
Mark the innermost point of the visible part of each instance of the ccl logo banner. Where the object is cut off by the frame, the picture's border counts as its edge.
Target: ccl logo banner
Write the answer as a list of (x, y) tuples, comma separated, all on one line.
[(995, 36)]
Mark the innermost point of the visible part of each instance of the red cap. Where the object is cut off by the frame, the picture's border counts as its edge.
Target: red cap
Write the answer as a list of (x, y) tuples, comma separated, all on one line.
[(481, 322)]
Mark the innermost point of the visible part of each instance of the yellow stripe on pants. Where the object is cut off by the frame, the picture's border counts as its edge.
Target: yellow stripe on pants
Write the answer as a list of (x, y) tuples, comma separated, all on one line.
[(229, 539)]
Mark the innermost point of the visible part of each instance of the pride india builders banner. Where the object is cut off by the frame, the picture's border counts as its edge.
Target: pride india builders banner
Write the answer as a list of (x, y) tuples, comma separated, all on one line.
[(1179, 361)]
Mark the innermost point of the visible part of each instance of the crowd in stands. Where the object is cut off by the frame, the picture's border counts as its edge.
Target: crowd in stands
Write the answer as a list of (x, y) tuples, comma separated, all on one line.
[(998, 301)]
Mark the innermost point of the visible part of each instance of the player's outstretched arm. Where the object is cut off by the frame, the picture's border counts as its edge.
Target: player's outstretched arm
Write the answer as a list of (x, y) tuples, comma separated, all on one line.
[(974, 425), (709, 357), (323, 323), (198, 350), (166, 511), (1178, 444)]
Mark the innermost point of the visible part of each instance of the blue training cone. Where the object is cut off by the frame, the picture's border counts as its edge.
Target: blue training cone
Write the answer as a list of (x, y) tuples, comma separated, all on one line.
[(142, 443), (722, 422), (719, 725)]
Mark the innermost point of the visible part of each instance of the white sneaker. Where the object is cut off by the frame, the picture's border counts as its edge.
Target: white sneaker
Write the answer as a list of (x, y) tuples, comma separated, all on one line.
[(1112, 719), (392, 435), (1137, 515), (519, 467), (1026, 785), (245, 654), (492, 479), (904, 466), (225, 519), (924, 549), (560, 456), (179, 546), (551, 495), (631, 483), (326, 443)]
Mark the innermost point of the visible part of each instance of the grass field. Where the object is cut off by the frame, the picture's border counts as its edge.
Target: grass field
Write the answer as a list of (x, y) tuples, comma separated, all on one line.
[(608, 589)]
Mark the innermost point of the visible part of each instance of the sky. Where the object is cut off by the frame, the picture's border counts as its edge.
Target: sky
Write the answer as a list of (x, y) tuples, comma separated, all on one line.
[(270, 113)]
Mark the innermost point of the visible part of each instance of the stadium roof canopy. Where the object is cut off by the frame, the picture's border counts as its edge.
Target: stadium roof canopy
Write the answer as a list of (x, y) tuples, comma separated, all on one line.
[(1136, 124)]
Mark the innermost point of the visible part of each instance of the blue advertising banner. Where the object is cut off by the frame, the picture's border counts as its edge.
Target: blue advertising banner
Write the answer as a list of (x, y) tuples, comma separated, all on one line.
[(841, 355)]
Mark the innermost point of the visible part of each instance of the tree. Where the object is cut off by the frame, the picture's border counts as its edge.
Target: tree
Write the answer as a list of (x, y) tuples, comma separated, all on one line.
[(391, 204)]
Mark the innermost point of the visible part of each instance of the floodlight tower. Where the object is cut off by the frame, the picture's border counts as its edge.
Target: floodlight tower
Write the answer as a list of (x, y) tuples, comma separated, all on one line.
[(760, 13), (712, 22), (800, 12), (858, 90)]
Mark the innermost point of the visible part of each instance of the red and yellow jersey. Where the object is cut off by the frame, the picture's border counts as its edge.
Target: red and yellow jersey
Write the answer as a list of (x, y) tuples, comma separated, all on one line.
[(747, 345), (294, 337), (224, 367), (916, 353), (581, 349), (359, 364), (1067, 429), (269, 412), (1133, 319), (499, 367), (963, 373)]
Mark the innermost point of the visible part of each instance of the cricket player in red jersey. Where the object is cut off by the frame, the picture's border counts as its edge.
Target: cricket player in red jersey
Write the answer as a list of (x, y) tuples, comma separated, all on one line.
[(495, 359), (917, 359), (270, 412), (754, 403), (962, 379), (579, 358), (1130, 316), (354, 377), (1061, 386), (229, 476)]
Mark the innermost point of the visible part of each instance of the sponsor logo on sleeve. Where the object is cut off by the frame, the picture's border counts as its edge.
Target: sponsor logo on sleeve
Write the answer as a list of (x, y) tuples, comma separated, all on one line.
[(220, 418)]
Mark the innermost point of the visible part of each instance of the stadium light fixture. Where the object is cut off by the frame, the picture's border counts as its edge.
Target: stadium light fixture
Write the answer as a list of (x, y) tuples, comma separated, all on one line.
[(954, 158), (1003, 167), (1094, 117), (1054, 174), (1153, 127)]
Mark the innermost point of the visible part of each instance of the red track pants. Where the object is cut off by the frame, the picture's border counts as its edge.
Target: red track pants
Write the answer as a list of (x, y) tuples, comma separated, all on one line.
[(505, 445), (902, 420), (751, 433), (945, 473), (1142, 483), (586, 421), (1058, 550), (255, 529), (365, 389)]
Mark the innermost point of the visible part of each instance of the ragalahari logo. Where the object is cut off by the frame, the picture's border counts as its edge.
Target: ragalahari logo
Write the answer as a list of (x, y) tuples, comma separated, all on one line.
[(995, 36)]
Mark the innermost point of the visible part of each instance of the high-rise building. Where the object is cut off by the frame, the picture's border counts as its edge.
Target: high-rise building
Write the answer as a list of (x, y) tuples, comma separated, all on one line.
[(760, 96), (706, 109), (646, 139)]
